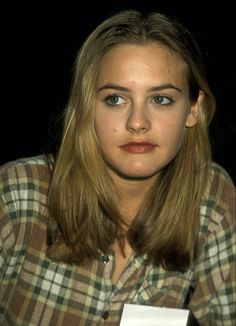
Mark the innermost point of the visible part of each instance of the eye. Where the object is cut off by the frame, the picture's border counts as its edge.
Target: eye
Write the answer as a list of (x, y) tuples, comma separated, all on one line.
[(162, 100), (115, 100)]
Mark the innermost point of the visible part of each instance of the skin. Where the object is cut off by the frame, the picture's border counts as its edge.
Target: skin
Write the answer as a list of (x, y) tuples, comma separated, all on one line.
[(142, 95)]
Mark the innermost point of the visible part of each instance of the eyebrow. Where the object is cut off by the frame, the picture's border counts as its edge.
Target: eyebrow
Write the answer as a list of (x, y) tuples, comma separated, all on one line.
[(152, 89)]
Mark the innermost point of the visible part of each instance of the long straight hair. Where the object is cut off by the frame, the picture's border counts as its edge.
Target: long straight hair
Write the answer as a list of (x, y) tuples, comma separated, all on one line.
[(84, 218)]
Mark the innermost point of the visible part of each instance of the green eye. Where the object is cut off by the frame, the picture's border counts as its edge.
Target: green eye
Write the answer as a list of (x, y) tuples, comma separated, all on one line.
[(114, 100), (162, 100)]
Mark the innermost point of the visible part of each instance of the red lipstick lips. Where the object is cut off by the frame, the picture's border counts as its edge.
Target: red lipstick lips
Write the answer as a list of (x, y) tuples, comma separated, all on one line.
[(138, 147)]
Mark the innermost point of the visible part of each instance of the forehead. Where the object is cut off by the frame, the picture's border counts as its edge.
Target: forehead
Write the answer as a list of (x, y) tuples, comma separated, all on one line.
[(151, 60)]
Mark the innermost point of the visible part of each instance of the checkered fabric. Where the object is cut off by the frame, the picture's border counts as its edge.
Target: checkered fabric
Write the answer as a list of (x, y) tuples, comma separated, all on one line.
[(35, 290)]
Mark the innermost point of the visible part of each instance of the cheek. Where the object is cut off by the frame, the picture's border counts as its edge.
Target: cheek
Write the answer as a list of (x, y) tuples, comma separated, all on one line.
[(172, 131), (107, 124), (106, 128)]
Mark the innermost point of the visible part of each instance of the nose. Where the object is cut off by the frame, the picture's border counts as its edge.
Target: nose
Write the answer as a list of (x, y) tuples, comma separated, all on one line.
[(138, 121)]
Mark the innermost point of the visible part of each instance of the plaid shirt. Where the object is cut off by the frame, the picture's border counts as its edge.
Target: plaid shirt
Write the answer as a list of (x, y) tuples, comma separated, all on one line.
[(35, 290)]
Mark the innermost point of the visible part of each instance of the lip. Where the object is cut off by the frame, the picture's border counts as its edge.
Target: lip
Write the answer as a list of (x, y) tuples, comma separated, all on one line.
[(138, 147)]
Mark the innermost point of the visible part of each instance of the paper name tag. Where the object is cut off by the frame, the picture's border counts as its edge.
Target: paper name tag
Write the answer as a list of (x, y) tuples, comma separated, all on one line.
[(140, 315)]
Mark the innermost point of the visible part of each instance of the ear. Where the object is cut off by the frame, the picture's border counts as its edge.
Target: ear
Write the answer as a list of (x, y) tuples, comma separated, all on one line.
[(192, 117)]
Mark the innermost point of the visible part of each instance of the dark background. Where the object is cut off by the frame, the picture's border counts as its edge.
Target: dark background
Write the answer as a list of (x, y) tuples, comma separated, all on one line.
[(39, 45)]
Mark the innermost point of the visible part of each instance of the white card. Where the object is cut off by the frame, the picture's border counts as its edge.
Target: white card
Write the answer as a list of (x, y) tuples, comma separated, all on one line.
[(141, 315)]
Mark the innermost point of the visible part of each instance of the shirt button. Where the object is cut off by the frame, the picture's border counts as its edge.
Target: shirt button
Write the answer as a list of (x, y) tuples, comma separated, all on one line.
[(105, 314), (105, 259)]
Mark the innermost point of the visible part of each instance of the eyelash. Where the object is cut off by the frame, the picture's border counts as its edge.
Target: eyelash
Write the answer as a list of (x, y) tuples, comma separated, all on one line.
[(109, 97), (162, 97)]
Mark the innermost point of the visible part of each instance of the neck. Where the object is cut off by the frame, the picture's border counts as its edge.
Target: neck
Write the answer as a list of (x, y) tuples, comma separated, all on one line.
[(130, 194)]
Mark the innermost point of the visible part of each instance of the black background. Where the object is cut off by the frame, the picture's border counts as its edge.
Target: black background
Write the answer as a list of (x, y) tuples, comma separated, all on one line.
[(39, 44)]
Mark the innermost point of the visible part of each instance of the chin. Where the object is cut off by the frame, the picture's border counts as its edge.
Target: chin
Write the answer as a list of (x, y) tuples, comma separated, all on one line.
[(137, 175)]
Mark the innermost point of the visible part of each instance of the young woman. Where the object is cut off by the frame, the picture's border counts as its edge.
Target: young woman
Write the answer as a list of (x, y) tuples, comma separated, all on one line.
[(131, 209)]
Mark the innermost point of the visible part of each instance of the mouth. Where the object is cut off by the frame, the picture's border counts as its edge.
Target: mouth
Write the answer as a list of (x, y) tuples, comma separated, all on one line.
[(138, 147)]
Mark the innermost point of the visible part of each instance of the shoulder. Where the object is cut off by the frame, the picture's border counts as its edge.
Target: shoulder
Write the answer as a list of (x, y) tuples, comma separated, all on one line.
[(23, 194), (24, 166), (24, 185), (220, 189), (217, 172), (33, 170), (218, 204), (24, 181)]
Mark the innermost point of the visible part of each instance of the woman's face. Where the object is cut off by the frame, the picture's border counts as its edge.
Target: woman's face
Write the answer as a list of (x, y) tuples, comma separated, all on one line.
[(142, 108)]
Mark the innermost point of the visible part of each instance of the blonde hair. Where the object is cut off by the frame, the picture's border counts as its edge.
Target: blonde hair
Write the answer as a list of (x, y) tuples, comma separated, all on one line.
[(84, 219)]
